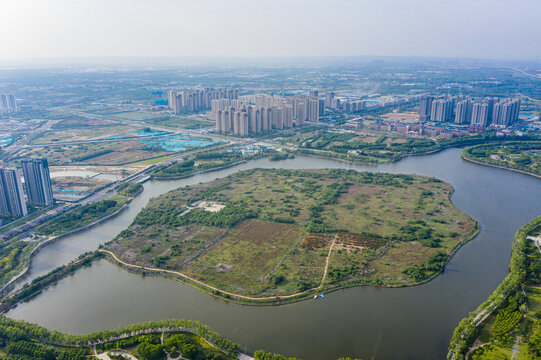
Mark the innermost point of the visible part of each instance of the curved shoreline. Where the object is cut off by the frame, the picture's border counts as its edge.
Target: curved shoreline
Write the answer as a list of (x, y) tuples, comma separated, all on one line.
[(51, 240), (500, 167), (254, 301), (177, 177), (135, 329), (278, 299)]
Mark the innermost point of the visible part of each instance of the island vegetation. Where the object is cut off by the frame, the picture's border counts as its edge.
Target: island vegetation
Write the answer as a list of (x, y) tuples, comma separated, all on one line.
[(508, 324), (276, 235), (198, 162), (522, 156), (379, 148), (212, 160)]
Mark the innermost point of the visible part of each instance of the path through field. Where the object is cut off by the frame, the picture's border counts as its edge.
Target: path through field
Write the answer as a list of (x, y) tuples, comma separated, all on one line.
[(327, 262)]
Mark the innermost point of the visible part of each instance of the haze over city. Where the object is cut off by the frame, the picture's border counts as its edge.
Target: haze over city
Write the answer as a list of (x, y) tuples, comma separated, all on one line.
[(270, 180), (245, 28)]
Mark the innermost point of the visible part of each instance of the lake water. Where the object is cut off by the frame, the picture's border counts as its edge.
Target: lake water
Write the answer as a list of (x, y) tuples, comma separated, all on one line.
[(365, 322)]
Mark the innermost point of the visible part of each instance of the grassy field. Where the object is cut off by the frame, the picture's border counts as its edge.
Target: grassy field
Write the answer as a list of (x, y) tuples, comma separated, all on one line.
[(75, 122), (73, 187), (269, 232), (105, 153), (519, 156), (137, 116), (70, 135), (182, 122)]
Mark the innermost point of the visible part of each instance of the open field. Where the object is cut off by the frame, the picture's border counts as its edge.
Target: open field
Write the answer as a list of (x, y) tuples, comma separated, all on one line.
[(401, 116), (72, 188), (71, 135), (80, 122), (281, 232), (138, 116), (519, 156), (105, 153), (181, 122)]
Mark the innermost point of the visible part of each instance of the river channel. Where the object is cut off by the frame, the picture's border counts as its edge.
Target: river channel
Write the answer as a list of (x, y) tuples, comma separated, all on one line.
[(364, 322)]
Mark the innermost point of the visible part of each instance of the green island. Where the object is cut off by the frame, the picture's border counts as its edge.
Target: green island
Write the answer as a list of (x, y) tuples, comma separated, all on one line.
[(525, 157), (381, 148), (211, 160), (15, 254), (198, 162), (508, 324), (269, 236)]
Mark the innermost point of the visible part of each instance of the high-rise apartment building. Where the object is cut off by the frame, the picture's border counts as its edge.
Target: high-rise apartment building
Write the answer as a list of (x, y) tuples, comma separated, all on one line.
[(8, 103), (351, 106), (313, 110), (463, 113), (192, 101), (11, 193), (505, 112), (329, 96), (441, 110), (38, 182), (264, 113), (480, 113), (425, 107)]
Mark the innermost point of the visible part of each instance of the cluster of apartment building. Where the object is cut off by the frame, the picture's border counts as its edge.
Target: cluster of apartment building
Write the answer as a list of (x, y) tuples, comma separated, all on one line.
[(182, 102), (346, 105), (480, 113), (8, 104), (253, 114), (37, 181), (488, 111)]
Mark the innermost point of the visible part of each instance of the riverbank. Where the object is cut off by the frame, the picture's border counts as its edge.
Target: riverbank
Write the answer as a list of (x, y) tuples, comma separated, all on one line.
[(8, 286), (75, 304), (440, 146), (468, 157), (501, 167), (155, 177), (293, 218), (10, 300), (269, 300), (467, 331), (131, 334)]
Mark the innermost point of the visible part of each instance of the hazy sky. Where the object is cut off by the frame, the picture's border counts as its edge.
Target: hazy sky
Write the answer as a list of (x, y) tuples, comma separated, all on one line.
[(444, 28)]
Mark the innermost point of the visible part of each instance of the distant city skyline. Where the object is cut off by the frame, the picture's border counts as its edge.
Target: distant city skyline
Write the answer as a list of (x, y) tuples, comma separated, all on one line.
[(245, 28)]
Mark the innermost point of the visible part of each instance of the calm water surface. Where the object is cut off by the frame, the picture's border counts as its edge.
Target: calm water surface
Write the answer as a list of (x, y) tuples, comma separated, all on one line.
[(365, 322)]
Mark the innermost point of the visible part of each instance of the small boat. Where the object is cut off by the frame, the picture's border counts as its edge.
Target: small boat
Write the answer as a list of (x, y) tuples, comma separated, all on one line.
[(319, 296)]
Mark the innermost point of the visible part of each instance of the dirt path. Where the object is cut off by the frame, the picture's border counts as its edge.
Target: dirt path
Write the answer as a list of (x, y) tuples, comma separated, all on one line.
[(327, 262), (212, 288), (516, 348)]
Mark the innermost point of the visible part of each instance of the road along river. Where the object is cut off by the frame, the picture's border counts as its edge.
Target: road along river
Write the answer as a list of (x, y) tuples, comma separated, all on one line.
[(365, 322)]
